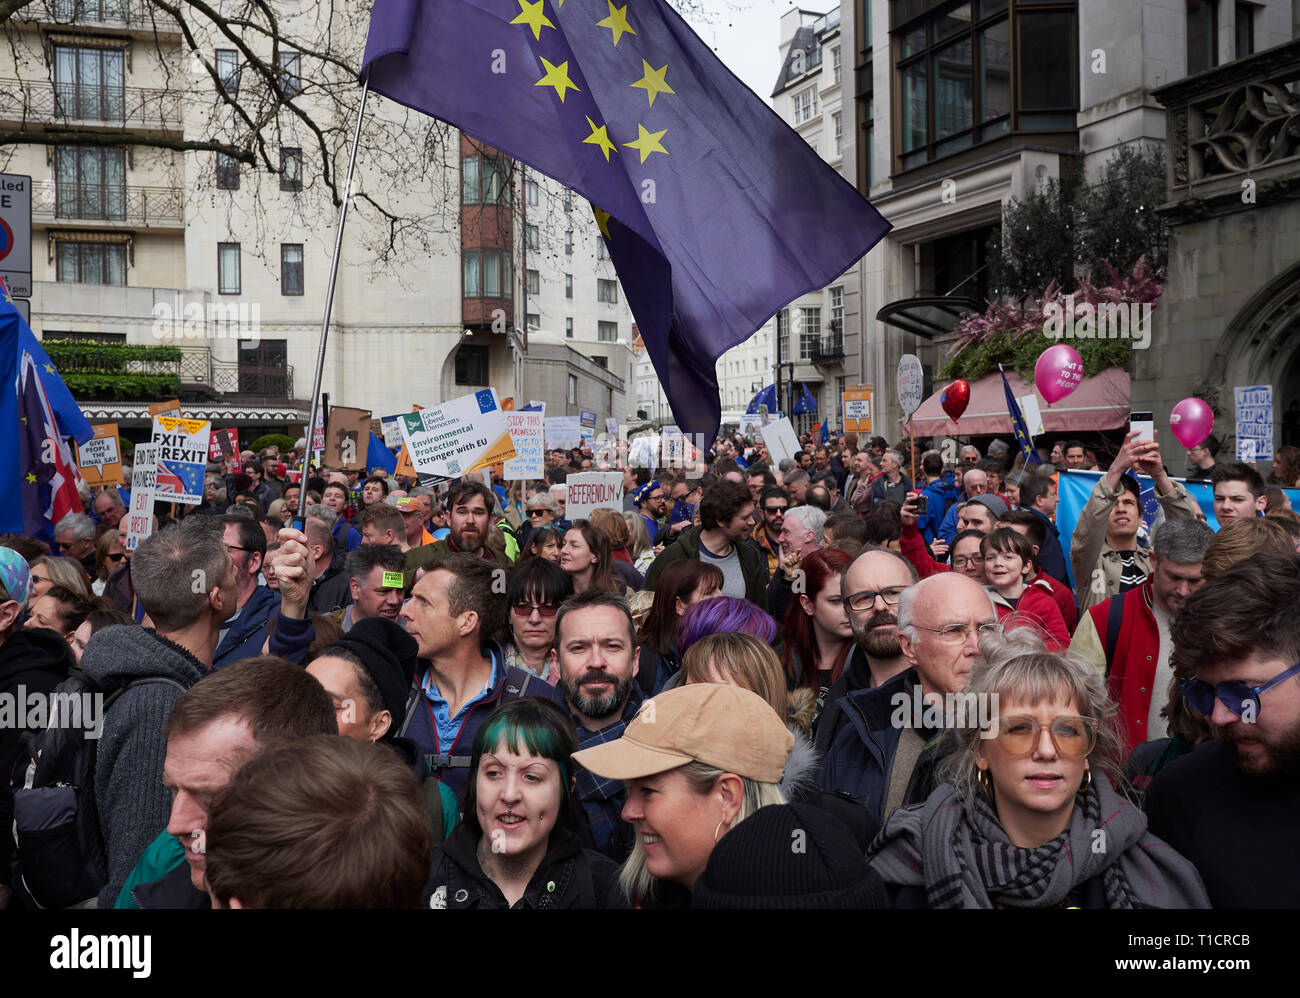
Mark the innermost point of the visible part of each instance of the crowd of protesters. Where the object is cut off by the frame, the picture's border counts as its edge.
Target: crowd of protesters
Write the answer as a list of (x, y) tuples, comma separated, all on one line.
[(452, 695)]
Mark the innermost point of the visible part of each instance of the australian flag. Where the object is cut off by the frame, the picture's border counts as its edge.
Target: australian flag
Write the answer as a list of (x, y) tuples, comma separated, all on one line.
[(1018, 424), (715, 212)]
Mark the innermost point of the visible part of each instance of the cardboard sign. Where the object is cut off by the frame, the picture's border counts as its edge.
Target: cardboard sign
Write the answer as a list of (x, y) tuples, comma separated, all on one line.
[(563, 432), (172, 408), (781, 440), (457, 437), (1033, 415), (182, 458), (856, 402), (318, 432), (590, 490), (587, 420), (224, 443), (526, 429), (911, 380), (347, 437), (1255, 421), (139, 515), (100, 457)]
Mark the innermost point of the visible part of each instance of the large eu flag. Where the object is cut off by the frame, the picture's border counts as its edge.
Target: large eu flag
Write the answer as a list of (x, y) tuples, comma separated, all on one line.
[(715, 212)]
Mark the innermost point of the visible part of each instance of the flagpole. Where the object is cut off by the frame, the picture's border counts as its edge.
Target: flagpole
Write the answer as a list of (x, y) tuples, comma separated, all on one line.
[(301, 518)]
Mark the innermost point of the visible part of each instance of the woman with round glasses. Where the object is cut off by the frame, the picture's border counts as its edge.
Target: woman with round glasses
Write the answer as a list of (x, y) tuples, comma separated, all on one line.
[(534, 592), (1026, 815)]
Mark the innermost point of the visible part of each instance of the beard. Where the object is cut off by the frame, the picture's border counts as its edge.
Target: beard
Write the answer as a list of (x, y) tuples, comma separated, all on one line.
[(598, 707), (877, 644), (1279, 763)]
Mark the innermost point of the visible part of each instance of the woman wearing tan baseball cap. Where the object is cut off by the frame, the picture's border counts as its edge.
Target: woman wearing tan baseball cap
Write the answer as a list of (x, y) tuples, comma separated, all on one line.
[(697, 761)]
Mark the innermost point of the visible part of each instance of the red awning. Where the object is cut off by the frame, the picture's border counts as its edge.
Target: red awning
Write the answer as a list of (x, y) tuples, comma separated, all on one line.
[(1100, 403)]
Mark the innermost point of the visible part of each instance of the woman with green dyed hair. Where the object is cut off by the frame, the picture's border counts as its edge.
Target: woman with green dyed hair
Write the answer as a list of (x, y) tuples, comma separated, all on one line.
[(520, 843)]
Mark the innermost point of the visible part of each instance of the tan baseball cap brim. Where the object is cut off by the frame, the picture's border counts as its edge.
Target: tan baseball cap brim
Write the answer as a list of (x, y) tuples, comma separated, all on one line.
[(624, 759)]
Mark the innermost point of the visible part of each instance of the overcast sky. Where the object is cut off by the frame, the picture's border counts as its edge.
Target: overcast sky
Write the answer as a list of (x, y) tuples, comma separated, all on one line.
[(745, 34)]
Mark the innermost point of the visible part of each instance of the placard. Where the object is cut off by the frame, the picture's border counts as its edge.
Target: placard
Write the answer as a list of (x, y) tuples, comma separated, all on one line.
[(752, 423), (1255, 420), (591, 490), (139, 514), (911, 380), (1033, 415), (587, 420), (100, 457), (527, 431), (563, 432), (347, 438), (224, 443), (182, 458), (458, 437), (169, 408), (855, 402), (318, 432), (781, 440), (611, 426)]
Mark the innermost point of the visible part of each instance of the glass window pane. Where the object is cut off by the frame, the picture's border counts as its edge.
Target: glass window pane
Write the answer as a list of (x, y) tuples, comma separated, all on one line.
[(914, 41), (472, 286), (469, 180), (914, 95), (1047, 54), (953, 98), (995, 69), (115, 265), (68, 262), (92, 264), (988, 7), (953, 21), (491, 274)]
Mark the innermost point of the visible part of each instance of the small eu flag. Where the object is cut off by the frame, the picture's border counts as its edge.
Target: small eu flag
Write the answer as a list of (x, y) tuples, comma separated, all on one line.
[(1018, 424), (715, 212)]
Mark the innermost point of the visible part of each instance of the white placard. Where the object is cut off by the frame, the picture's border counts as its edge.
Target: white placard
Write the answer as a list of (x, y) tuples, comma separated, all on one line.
[(526, 431), (910, 383), (589, 490), (139, 515), (563, 432), (781, 440), (182, 458), (1033, 415), (457, 437), (1255, 420)]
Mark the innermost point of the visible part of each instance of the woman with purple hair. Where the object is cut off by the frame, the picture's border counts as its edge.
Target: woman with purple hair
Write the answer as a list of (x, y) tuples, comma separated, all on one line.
[(724, 615)]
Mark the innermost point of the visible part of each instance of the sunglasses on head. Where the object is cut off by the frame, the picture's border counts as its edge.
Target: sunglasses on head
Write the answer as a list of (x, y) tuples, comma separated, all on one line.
[(1233, 694)]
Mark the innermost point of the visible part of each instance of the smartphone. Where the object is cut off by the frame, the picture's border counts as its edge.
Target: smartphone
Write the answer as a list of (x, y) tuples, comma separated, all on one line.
[(920, 502), (1145, 425)]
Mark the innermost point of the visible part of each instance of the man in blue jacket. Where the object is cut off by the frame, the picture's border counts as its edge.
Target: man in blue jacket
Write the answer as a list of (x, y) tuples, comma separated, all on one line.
[(244, 634), (975, 483), (940, 491)]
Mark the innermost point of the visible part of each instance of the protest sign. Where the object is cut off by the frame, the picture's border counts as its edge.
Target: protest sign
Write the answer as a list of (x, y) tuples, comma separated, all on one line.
[(781, 440), (590, 490), (318, 432), (224, 443), (182, 458), (100, 457), (1033, 415), (347, 436), (169, 408), (458, 437), (587, 420), (526, 429), (752, 423), (392, 430), (856, 402), (563, 432), (611, 426), (911, 378), (139, 515), (1255, 422)]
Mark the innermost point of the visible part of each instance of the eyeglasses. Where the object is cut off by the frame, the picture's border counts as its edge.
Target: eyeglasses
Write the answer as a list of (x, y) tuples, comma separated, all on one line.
[(115, 557), (773, 510), (1234, 694), (526, 609), (962, 562), (955, 633), (866, 600), (65, 545), (537, 512), (655, 497), (1074, 737)]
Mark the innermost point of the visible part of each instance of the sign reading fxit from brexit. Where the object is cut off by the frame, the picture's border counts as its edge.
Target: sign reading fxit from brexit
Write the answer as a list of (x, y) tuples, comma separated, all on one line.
[(182, 458), (458, 437)]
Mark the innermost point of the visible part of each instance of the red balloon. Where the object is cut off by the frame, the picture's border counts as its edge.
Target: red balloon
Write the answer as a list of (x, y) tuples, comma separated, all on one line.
[(955, 398)]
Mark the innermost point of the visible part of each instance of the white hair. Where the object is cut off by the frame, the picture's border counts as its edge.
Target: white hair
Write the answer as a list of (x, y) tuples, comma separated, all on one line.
[(809, 518)]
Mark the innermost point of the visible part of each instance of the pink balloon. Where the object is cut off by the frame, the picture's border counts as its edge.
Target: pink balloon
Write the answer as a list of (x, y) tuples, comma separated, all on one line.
[(1191, 422), (1058, 372)]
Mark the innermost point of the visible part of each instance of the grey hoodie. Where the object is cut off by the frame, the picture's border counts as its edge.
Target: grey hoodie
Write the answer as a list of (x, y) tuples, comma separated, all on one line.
[(132, 802)]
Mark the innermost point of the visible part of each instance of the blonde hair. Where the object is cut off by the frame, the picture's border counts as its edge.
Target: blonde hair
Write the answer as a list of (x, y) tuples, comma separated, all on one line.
[(637, 882), (746, 660), (639, 537), (1241, 538), (66, 572)]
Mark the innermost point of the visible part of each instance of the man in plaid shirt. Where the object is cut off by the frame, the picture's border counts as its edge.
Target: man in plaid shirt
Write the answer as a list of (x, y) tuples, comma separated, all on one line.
[(597, 655)]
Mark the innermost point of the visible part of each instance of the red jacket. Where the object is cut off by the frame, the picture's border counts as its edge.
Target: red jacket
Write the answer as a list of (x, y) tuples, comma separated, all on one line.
[(912, 544), (1064, 599), (1037, 609), (1132, 670)]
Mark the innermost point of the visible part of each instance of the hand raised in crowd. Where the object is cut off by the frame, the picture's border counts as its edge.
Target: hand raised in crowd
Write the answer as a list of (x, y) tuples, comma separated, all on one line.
[(909, 513), (790, 564), (938, 550), (293, 569)]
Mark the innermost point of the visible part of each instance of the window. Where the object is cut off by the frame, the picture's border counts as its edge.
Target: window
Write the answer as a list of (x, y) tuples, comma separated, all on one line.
[(601, 362), (568, 285), (291, 268), (91, 263), (472, 364), (805, 105), (573, 390), (783, 334), (1202, 35), (568, 200), (602, 251), (1047, 75), (487, 274), (533, 320), (534, 280), (869, 130), (469, 180), (810, 320), (839, 133), (607, 291), (290, 74), (607, 332), (532, 236), (482, 180), (290, 169), (1245, 29), (227, 172), (568, 329), (837, 69), (90, 182), (568, 242), (89, 82), (228, 268), (530, 193), (837, 308), (228, 71)]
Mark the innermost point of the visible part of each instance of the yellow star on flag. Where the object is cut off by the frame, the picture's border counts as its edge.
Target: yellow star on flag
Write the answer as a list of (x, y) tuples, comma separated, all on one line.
[(531, 14), (557, 77), (616, 22), (31, 479), (49, 369), (653, 81), (24, 421), (599, 137), (647, 142), (602, 220)]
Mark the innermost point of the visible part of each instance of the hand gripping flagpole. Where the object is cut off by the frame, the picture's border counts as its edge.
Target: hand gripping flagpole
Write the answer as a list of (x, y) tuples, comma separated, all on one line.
[(301, 518)]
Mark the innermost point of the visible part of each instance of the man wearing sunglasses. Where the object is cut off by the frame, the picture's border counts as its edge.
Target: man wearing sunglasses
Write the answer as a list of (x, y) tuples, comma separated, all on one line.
[(872, 757), (1232, 806), (74, 536), (772, 504)]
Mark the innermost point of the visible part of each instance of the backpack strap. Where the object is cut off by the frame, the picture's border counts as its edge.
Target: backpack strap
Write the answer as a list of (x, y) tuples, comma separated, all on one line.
[(1114, 618), (433, 807)]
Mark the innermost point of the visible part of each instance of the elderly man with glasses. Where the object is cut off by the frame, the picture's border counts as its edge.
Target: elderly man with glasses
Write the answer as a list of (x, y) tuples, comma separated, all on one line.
[(876, 754)]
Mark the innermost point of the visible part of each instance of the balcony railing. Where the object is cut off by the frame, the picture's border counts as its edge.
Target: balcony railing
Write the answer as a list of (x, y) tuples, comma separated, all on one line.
[(827, 350), (52, 201), (134, 14), (66, 103), (204, 374)]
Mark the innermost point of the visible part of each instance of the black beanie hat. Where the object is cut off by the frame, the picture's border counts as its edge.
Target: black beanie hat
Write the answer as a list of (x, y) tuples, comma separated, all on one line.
[(388, 654), (788, 856)]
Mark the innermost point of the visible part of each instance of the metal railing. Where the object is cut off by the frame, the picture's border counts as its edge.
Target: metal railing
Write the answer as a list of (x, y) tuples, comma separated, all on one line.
[(200, 371), (827, 350), (43, 101), (139, 14), (52, 201)]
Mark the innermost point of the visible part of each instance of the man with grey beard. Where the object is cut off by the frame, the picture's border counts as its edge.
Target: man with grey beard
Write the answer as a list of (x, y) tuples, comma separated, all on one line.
[(596, 649), (871, 587)]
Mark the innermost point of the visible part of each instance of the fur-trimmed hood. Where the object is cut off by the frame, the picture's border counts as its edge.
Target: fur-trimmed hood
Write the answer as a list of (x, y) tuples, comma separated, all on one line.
[(800, 776)]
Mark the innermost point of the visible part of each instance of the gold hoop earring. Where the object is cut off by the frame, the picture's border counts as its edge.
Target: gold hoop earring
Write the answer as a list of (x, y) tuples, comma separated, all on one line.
[(1087, 781), (985, 780), (718, 829)]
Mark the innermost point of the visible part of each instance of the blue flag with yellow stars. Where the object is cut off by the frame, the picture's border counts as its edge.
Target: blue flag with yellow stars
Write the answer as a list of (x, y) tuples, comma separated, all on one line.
[(1018, 424), (716, 213)]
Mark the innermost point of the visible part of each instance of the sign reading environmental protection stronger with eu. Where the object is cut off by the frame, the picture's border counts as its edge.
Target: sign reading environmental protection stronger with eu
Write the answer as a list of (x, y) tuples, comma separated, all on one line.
[(455, 438)]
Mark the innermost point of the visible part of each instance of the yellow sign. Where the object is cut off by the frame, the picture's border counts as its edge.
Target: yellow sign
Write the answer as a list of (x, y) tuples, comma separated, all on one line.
[(165, 408), (100, 457), (856, 403)]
